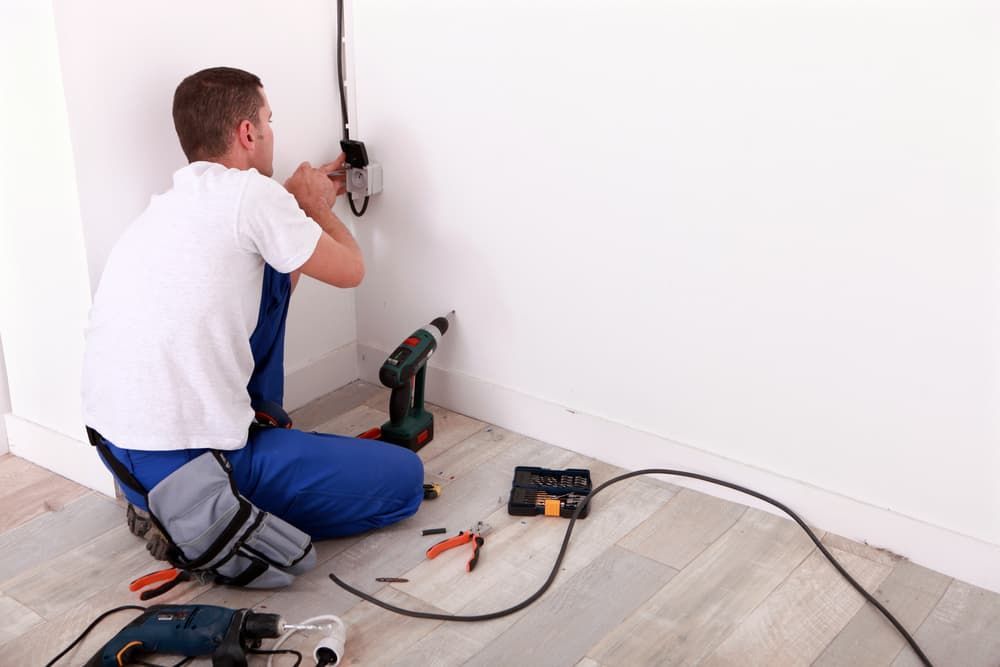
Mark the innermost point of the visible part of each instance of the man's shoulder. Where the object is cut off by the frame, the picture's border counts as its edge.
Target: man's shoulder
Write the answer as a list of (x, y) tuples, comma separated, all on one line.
[(212, 175), (259, 187), (260, 180)]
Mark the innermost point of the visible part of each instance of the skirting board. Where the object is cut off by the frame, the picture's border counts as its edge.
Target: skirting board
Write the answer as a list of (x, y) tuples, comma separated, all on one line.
[(960, 556), (320, 377), (66, 456)]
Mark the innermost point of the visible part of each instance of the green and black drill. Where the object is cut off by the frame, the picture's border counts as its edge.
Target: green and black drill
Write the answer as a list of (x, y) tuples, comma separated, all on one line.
[(405, 372)]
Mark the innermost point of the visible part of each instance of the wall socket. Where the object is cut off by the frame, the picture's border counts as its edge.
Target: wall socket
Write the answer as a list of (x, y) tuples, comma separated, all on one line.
[(365, 181)]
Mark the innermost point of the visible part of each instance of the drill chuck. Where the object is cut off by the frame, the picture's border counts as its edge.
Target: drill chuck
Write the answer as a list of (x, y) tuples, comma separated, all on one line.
[(441, 323), (262, 626)]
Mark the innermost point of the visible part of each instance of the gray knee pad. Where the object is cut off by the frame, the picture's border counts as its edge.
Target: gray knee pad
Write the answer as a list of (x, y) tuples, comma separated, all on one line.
[(216, 530)]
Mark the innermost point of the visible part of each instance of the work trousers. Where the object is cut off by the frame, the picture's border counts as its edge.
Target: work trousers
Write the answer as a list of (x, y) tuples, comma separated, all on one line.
[(325, 485)]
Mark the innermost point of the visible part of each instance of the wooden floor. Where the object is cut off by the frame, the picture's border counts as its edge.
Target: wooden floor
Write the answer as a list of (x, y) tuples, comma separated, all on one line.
[(657, 575)]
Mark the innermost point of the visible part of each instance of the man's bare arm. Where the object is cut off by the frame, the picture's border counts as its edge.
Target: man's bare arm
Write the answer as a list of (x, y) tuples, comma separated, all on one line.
[(337, 259)]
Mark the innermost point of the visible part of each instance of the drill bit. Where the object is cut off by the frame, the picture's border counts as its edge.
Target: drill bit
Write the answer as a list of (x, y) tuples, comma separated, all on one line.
[(300, 626)]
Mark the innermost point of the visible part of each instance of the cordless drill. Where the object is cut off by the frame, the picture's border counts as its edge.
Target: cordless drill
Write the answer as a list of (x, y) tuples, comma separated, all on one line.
[(191, 630), (404, 372)]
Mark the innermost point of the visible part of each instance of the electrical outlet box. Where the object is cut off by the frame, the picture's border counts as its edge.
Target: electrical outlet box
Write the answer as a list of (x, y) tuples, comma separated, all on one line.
[(365, 181)]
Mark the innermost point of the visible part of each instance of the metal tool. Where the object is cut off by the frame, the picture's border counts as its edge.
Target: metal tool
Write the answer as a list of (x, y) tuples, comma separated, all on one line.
[(473, 535), (192, 630), (405, 372), (169, 577)]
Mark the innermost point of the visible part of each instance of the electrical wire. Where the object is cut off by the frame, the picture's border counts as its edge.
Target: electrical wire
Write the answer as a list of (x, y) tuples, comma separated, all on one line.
[(272, 653), (569, 531), (341, 82), (342, 87), (91, 627), (355, 211), (309, 621)]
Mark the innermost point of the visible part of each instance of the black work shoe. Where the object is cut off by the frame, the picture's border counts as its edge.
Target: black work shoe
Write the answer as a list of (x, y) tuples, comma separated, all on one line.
[(140, 525)]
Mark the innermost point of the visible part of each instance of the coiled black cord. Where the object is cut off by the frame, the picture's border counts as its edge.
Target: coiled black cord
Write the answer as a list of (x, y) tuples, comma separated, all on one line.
[(569, 531)]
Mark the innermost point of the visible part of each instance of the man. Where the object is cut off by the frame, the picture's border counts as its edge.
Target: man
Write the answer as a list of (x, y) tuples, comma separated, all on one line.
[(187, 332)]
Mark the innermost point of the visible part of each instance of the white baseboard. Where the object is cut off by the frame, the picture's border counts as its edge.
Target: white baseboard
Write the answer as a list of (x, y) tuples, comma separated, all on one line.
[(320, 377), (966, 558), (71, 458)]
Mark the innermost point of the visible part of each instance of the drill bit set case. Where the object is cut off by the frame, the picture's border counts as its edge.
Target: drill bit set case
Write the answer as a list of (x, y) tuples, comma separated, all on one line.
[(548, 491)]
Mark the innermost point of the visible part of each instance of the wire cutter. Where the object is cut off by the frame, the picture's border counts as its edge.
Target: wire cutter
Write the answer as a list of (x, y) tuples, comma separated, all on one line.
[(170, 576), (474, 535)]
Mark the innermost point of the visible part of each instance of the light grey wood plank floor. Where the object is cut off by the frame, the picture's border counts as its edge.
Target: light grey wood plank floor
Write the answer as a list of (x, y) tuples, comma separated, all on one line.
[(657, 575)]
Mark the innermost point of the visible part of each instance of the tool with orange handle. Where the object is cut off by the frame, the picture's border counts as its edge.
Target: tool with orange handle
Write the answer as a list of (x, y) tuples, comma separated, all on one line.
[(169, 577), (474, 535)]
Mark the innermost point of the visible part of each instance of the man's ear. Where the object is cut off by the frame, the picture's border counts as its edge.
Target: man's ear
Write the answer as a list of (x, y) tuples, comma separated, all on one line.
[(246, 135)]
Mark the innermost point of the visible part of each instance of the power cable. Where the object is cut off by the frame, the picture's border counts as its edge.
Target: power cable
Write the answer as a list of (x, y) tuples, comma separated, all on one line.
[(91, 627), (342, 87), (341, 81), (569, 531)]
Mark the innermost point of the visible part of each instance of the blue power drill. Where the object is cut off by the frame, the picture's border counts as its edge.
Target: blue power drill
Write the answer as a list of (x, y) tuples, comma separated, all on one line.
[(190, 630)]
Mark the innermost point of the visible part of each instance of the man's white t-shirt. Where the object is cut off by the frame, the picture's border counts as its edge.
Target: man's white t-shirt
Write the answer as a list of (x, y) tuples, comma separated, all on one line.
[(167, 356)]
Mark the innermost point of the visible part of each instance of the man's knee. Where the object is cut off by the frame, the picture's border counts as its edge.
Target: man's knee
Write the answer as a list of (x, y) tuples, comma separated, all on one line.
[(412, 472)]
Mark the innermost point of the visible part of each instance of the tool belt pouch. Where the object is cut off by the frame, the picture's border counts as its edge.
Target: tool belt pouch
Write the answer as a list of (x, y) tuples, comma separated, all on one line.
[(216, 530)]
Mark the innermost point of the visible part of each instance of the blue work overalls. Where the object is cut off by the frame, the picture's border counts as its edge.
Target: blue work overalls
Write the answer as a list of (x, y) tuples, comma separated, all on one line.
[(326, 485)]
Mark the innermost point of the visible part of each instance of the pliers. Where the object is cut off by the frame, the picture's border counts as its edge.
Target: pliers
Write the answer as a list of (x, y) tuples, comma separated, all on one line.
[(474, 535), (170, 576)]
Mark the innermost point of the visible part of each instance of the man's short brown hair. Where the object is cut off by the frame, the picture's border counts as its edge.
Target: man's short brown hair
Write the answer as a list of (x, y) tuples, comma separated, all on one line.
[(208, 105)]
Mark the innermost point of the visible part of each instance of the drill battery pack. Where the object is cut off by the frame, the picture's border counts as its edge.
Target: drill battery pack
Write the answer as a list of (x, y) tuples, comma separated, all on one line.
[(549, 492)]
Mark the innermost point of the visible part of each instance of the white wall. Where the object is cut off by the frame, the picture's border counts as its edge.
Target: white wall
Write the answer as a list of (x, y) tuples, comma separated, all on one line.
[(121, 62), (759, 235), (43, 276)]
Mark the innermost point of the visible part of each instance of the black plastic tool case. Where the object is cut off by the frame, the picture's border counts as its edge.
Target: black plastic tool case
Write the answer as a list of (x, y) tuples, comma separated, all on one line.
[(536, 491)]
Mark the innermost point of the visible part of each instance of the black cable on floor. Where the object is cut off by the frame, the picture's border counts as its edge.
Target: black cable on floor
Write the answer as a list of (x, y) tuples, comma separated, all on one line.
[(285, 651), (91, 627), (569, 531)]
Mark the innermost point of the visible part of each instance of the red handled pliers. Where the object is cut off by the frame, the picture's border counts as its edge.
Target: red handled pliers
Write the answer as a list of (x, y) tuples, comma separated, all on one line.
[(474, 535), (170, 578)]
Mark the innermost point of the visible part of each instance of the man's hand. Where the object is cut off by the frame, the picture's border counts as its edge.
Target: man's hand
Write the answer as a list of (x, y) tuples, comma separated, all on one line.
[(335, 172), (337, 258), (314, 190)]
